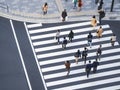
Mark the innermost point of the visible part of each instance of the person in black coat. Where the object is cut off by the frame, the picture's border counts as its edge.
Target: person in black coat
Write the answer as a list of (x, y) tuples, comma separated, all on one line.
[(71, 35), (84, 54), (64, 15), (95, 64), (64, 43), (88, 68), (77, 56)]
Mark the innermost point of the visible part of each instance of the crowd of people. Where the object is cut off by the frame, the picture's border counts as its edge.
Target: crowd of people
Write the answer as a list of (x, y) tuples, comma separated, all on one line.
[(82, 55), (77, 4)]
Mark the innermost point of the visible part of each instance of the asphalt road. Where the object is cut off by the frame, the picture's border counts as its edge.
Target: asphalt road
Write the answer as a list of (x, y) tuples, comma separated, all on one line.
[(12, 75)]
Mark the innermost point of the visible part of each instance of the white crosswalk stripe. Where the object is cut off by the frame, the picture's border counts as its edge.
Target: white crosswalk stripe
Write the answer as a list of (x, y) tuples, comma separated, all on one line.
[(52, 56)]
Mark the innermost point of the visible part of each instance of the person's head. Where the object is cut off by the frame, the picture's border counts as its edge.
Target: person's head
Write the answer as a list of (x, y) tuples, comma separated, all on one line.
[(93, 16), (46, 4), (67, 61), (89, 61), (100, 26), (58, 30), (78, 50), (89, 32), (64, 10), (96, 59), (64, 37), (100, 45)]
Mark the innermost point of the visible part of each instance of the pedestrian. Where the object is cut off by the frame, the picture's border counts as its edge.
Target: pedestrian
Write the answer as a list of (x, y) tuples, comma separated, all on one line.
[(75, 4), (99, 32), (101, 15), (113, 39), (79, 4), (71, 35), (89, 37), (88, 68), (100, 6), (84, 54), (58, 36), (45, 8), (95, 65), (94, 22), (64, 15), (99, 52), (77, 56), (67, 66), (64, 43)]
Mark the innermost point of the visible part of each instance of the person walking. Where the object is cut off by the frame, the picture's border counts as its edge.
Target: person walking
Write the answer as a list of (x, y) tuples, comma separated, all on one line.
[(88, 68), (79, 4), (95, 65), (45, 8), (113, 39), (84, 54), (101, 15), (67, 66), (58, 36), (64, 15), (89, 37), (75, 4), (77, 56), (94, 22), (100, 6), (99, 52), (64, 43), (71, 35), (99, 32)]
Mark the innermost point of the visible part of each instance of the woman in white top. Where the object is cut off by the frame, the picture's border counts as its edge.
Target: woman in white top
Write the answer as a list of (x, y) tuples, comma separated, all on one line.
[(58, 36), (113, 39)]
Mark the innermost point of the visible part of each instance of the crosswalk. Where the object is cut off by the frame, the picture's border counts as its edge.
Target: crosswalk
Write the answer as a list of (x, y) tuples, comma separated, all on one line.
[(51, 56)]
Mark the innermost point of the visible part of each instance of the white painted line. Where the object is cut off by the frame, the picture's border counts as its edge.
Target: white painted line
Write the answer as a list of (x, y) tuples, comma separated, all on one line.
[(89, 55), (35, 57), (90, 84), (96, 75), (53, 68), (72, 44), (115, 87), (21, 57), (34, 25), (61, 39), (65, 33), (71, 57), (58, 27), (77, 71), (57, 53)]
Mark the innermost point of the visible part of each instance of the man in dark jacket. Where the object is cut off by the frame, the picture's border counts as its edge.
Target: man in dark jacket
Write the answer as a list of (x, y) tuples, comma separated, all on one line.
[(95, 64), (64, 14), (64, 43), (71, 35), (88, 68), (84, 54)]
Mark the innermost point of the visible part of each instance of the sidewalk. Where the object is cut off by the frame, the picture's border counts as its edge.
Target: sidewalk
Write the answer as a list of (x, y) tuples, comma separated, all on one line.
[(29, 10)]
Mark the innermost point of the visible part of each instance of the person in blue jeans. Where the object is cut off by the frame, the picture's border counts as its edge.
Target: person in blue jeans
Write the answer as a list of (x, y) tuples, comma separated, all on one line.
[(75, 4), (90, 36)]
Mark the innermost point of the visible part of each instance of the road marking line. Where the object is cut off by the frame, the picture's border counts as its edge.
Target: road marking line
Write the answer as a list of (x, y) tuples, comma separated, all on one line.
[(35, 57), (21, 57)]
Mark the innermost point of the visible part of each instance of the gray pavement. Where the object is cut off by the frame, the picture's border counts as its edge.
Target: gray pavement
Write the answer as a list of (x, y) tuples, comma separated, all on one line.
[(31, 10)]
